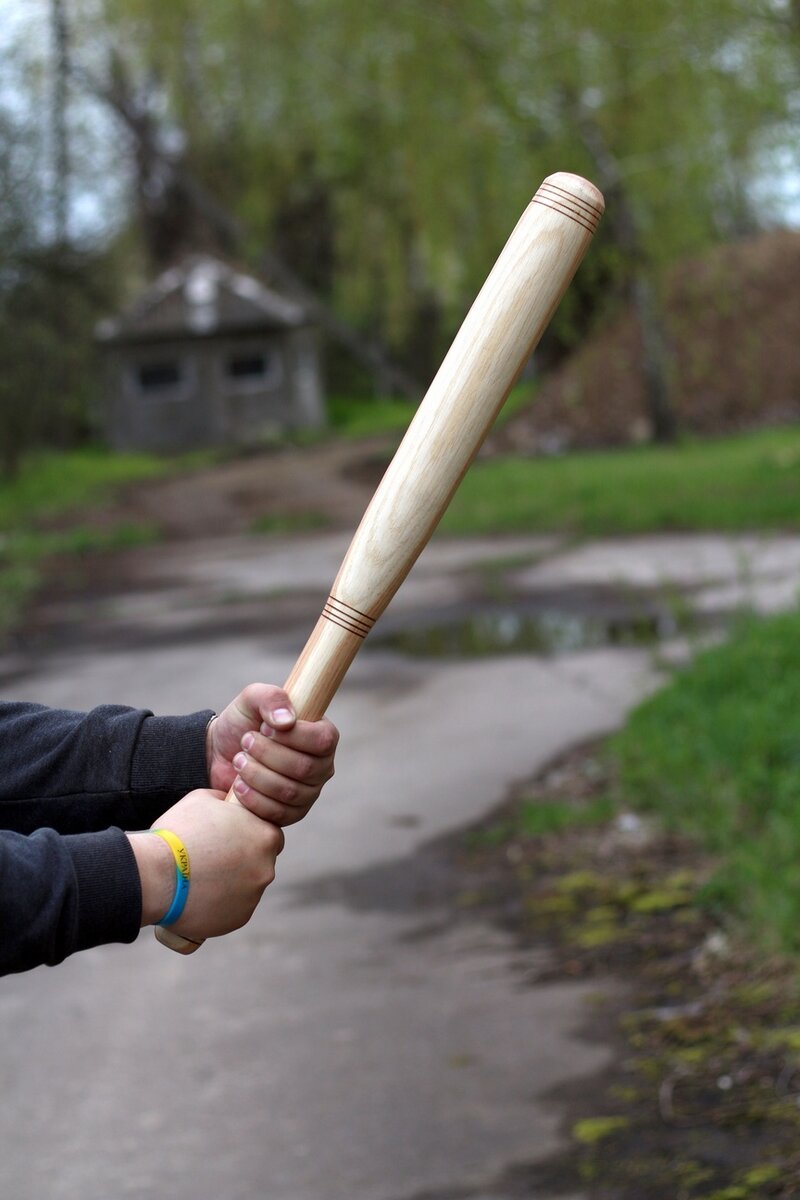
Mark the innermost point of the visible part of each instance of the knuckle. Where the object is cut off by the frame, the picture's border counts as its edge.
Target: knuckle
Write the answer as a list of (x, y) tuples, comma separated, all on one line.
[(327, 737), (305, 768), (288, 793)]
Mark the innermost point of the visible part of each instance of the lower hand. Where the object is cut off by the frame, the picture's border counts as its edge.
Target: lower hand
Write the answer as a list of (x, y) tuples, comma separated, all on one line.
[(231, 859), (276, 764)]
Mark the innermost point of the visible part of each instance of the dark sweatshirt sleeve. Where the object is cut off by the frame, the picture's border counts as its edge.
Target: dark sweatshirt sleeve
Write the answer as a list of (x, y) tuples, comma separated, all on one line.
[(70, 783), (63, 894), (76, 772)]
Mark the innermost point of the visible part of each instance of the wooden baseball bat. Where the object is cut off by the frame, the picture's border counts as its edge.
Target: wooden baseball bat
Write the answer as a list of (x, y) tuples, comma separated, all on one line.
[(511, 312)]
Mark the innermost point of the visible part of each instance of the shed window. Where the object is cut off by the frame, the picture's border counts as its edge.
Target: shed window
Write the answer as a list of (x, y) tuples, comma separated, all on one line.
[(247, 366), (157, 376)]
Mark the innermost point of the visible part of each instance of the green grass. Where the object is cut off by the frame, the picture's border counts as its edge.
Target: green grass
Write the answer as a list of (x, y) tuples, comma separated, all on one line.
[(368, 418), (51, 484), (47, 489), (717, 755), (748, 482), (540, 817), (535, 818), (271, 523), (372, 418)]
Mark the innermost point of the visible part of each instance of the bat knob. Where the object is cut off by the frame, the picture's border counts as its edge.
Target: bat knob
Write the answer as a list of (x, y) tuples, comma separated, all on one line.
[(174, 941)]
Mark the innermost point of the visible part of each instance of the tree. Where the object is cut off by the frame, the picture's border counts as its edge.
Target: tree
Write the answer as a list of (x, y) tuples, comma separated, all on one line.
[(375, 156)]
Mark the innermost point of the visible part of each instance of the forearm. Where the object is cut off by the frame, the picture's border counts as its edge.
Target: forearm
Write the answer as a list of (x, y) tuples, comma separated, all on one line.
[(60, 894), (77, 772)]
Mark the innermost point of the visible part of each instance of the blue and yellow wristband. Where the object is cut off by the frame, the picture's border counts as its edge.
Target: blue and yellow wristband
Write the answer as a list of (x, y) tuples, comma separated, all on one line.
[(182, 876)]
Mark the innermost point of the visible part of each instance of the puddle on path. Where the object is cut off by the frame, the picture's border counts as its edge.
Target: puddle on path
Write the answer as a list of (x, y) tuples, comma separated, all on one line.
[(545, 625)]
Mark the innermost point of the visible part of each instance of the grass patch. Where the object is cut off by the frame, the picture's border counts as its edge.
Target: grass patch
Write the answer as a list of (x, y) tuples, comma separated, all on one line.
[(369, 418), (351, 418), (48, 487), (717, 755), (747, 482), (51, 484), (540, 817), (289, 522), (536, 818)]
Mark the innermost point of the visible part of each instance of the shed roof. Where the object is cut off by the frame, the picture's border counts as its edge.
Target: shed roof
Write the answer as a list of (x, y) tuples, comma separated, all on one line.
[(202, 297)]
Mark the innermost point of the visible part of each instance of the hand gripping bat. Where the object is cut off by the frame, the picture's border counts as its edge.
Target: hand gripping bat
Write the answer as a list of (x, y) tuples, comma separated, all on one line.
[(511, 312)]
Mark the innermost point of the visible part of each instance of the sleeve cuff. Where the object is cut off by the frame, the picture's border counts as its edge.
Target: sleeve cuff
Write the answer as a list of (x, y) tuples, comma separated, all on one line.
[(170, 754)]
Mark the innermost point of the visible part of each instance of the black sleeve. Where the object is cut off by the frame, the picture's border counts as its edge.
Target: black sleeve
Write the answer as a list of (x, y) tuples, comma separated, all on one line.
[(76, 772), (69, 783), (63, 894)]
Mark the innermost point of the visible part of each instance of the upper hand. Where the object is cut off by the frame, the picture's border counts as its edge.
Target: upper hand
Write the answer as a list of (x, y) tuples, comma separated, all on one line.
[(284, 762)]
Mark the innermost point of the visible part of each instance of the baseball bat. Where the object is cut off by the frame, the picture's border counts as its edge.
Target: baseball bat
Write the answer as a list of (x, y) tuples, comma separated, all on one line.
[(508, 317)]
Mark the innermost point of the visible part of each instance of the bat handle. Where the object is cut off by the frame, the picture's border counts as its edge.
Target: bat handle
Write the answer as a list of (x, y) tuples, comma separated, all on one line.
[(312, 684)]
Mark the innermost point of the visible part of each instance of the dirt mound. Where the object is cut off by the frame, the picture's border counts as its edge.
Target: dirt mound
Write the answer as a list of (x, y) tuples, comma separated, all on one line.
[(286, 489), (734, 321)]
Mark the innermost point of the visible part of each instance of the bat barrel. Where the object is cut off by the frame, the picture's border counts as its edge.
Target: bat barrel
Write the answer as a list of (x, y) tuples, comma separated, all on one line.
[(492, 346), (495, 341)]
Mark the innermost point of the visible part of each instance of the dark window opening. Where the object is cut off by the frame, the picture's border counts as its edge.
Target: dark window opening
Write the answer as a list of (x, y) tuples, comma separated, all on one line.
[(159, 375), (247, 366)]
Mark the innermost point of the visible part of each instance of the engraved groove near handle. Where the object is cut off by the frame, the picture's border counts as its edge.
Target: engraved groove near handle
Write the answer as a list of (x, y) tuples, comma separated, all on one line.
[(509, 315)]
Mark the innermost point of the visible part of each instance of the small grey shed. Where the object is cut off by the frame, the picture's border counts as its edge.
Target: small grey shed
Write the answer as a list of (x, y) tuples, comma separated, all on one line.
[(209, 356)]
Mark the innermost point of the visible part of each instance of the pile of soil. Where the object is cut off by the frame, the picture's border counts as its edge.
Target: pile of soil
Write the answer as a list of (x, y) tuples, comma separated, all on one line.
[(285, 489), (733, 318)]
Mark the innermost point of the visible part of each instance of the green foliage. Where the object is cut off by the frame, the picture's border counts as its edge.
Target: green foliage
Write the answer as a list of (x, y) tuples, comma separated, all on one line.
[(717, 754), (404, 140), (748, 482)]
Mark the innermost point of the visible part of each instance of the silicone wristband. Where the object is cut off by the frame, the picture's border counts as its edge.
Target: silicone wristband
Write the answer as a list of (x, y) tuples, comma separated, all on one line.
[(182, 876)]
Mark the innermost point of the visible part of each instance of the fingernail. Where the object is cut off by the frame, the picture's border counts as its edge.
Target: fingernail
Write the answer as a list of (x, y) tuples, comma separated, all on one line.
[(283, 716), (267, 730), (240, 761), (247, 740), (240, 787)]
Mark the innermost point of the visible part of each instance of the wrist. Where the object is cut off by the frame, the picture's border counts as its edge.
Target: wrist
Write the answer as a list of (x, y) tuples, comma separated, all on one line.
[(156, 866)]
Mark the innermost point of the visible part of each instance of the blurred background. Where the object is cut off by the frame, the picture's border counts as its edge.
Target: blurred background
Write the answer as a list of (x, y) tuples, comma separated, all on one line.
[(370, 160), (236, 240)]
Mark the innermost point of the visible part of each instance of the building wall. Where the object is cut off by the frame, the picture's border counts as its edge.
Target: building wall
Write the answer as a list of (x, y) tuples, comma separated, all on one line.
[(180, 395), (305, 378)]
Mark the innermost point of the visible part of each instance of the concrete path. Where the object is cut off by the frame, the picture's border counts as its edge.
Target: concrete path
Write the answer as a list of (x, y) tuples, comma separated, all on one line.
[(323, 1053)]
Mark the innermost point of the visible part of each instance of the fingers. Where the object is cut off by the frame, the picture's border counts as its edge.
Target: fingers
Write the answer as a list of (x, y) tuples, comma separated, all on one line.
[(281, 775), (264, 702), (259, 704)]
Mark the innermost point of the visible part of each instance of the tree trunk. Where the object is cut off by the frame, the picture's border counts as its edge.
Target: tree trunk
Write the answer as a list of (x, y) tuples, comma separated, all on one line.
[(657, 356), (59, 131)]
